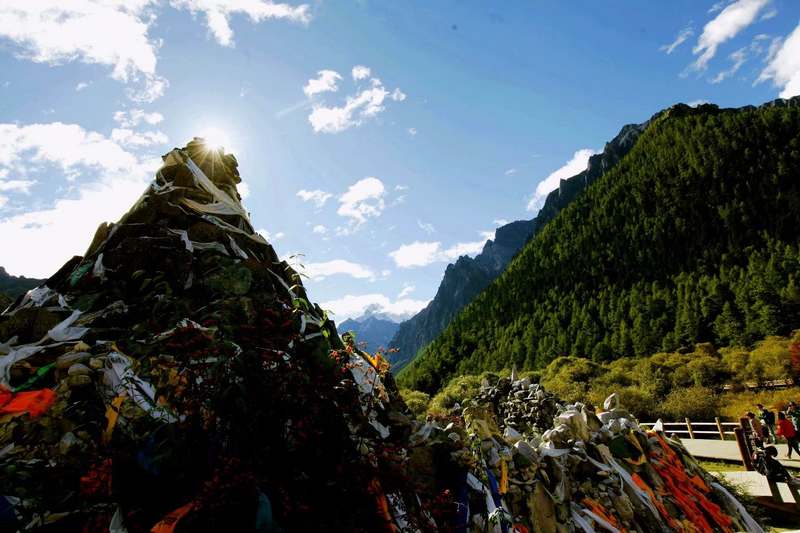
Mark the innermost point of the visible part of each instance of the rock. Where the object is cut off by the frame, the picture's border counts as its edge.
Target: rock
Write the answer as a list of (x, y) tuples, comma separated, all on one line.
[(79, 369), (78, 381), (69, 359)]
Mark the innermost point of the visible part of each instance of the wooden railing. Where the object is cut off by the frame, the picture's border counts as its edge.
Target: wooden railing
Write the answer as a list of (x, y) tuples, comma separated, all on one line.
[(700, 430)]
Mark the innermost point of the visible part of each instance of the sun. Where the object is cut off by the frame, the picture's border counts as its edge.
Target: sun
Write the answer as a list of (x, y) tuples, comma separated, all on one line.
[(217, 138)]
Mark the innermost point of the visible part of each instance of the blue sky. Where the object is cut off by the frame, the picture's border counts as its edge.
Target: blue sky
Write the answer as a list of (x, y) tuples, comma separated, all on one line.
[(380, 139)]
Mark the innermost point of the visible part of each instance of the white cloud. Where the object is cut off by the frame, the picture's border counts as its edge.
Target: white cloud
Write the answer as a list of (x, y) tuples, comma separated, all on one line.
[(576, 165), (316, 196), (412, 131), (270, 237), (362, 106), (244, 189), (427, 227), (133, 117), (510, 172), (684, 34), (219, 12), (725, 26), (364, 199), (500, 221), (3, 200), (407, 289), (319, 229), (320, 271), (67, 145), (416, 254), (326, 81), (783, 66), (695, 103), (128, 137), (44, 237), (419, 254), (82, 85), (360, 72), (353, 306), (115, 33), (111, 32)]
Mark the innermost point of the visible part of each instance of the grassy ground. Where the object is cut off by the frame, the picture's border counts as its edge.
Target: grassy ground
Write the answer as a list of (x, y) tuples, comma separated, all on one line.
[(721, 466)]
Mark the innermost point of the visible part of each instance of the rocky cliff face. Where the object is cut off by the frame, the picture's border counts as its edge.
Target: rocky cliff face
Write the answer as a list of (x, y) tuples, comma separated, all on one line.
[(467, 277)]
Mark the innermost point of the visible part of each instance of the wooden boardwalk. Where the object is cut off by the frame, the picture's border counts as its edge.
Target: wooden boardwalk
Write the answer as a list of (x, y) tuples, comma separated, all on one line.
[(728, 450), (755, 484)]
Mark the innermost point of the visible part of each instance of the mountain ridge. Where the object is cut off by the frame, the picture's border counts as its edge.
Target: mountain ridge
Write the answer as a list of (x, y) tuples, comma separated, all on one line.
[(691, 237), (467, 277)]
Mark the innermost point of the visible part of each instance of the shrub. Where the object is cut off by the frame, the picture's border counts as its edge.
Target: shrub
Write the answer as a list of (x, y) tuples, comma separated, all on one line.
[(460, 388), (697, 403), (640, 402), (417, 401), (771, 359), (570, 377)]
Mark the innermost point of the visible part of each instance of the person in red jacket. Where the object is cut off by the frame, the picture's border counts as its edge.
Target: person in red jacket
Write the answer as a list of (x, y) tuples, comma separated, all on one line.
[(787, 431)]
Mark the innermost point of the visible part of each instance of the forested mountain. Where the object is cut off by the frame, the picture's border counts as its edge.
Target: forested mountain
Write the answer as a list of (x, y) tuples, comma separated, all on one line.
[(467, 277), (13, 286), (692, 237)]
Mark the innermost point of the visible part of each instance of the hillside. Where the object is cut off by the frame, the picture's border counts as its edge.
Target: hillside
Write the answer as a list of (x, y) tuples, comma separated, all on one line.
[(467, 277), (13, 286), (692, 237)]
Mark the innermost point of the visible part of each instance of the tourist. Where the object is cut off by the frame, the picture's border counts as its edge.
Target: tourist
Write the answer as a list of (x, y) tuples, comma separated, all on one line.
[(768, 421), (766, 463), (793, 412), (787, 431), (758, 429)]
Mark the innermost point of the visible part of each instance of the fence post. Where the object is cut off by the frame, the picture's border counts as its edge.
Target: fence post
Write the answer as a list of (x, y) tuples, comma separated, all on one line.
[(719, 428), (744, 450), (689, 428)]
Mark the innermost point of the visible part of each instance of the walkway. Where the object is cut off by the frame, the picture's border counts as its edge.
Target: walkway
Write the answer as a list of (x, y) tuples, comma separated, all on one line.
[(728, 450), (755, 484)]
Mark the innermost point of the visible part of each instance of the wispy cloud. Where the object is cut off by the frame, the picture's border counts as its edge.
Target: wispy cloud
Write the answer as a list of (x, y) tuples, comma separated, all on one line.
[(738, 58), (725, 26), (133, 117), (317, 196), (406, 290), (682, 36), (217, 13), (427, 227)]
